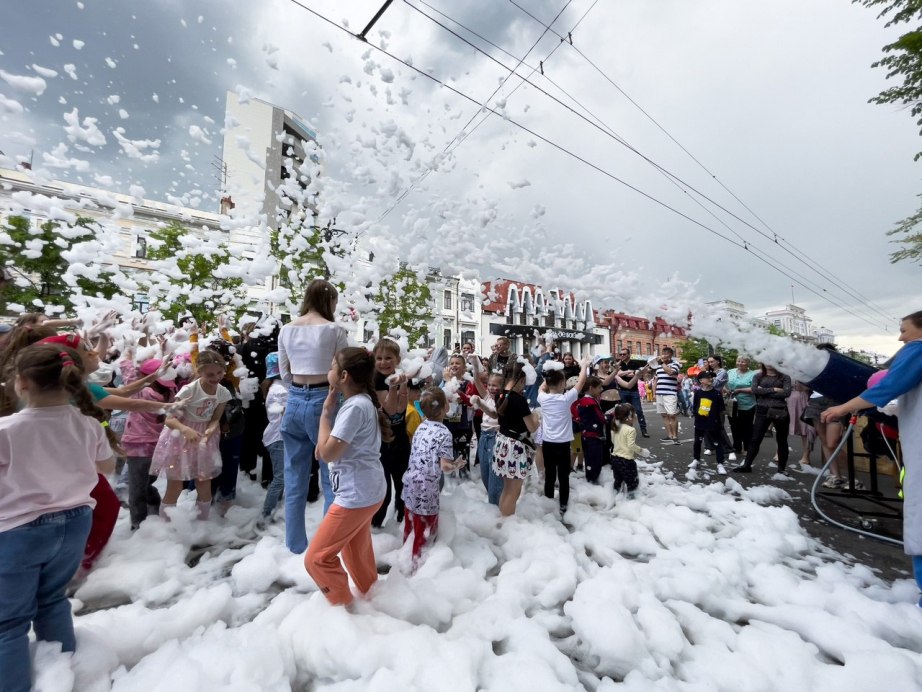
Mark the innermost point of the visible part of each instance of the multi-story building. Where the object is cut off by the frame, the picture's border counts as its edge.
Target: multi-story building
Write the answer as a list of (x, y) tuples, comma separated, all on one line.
[(643, 337), (525, 312), (127, 218), (458, 307), (264, 147)]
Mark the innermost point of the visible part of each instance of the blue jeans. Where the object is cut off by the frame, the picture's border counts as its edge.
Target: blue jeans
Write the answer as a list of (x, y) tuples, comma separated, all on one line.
[(37, 560), (632, 397), (300, 428), (917, 572), (492, 482), (277, 456)]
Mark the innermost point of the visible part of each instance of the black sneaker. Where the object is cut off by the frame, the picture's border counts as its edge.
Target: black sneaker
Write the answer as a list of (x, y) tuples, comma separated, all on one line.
[(675, 441), (645, 433), (666, 439)]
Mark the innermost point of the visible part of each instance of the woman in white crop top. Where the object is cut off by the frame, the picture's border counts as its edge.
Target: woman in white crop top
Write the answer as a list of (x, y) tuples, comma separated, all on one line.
[(307, 345)]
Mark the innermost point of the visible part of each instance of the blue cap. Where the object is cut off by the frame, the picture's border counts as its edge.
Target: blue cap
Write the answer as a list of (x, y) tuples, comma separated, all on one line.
[(272, 365)]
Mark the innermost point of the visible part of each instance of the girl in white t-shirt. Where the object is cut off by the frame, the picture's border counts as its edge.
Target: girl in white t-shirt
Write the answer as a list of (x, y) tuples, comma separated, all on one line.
[(188, 446), (50, 453), (351, 448), (555, 401)]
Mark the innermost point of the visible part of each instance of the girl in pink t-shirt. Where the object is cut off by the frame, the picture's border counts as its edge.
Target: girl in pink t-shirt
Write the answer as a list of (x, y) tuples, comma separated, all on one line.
[(188, 446), (50, 453), (142, 432)]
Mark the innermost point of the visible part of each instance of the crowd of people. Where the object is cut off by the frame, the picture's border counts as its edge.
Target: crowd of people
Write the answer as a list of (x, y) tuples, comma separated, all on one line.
[(374, 432)]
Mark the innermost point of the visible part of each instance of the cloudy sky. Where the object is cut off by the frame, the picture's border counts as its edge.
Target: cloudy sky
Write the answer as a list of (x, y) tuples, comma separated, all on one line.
[(770, 99)]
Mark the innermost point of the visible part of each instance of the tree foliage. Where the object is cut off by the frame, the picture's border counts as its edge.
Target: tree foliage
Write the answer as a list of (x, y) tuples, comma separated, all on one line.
[(192, 275), (403, 302), (903, 61), (299, 245), (42, 274)]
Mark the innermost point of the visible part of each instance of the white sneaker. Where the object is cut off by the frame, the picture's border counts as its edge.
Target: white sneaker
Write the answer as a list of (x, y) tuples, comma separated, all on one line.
[(694, 464), (721, 470), (732, 457), (707, 452)]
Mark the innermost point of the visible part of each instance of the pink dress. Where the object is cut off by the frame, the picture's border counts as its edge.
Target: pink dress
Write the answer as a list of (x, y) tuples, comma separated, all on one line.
[(179, 460)]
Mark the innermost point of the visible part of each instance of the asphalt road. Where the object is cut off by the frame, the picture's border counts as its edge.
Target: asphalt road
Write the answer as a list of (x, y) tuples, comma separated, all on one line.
[(852, 508)]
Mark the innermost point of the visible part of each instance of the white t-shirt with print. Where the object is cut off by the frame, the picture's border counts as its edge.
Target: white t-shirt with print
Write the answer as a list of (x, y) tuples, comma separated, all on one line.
[(199, 406), (358, 477)]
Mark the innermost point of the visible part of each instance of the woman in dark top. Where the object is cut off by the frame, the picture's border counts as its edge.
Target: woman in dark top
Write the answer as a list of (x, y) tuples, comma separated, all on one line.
[(514, 452), (771, 390)]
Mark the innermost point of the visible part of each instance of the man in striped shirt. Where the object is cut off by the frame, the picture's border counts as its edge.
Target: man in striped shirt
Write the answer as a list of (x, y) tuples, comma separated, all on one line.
[(667, 390)]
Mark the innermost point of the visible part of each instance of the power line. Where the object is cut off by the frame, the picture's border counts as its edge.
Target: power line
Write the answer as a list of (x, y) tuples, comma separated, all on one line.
[(678, 182), (459, 138), (608, 131), (575, 156), (802, 257)]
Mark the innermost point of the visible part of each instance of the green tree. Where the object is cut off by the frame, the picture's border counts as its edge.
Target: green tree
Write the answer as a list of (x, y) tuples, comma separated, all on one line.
[(297, 246), (403, 302), (37, 260), (693, 350), (903, 61), (195, 284)]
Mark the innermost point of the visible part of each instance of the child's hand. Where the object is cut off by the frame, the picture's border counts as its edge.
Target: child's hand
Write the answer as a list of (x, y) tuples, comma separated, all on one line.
[(459, 462), (190, 435), (475, 401), (645, 453)]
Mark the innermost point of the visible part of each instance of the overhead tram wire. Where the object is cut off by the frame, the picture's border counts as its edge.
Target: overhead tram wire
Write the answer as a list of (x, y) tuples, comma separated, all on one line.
[(678, 183), (675, 180), (569, 153), (461, 136), (874, 311), (775, 236)]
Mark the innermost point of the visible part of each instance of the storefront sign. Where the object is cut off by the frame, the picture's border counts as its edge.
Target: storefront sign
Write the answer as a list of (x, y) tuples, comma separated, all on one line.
[(528, 332)]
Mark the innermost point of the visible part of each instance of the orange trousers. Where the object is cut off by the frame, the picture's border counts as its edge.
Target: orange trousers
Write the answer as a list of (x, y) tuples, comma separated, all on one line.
[(346, 531)]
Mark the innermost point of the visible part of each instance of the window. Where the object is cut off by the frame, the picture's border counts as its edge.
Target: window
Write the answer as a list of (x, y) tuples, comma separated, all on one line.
[(140, 247), (368, 334), (446, 335), (468, 337), (549, 320), (140, 302), (657, 349), (620, 346), (467, 302), (446, 303), (637, 347)]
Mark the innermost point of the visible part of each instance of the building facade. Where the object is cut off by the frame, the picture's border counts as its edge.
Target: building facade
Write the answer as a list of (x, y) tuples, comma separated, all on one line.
[(526, 313), (643, 337)]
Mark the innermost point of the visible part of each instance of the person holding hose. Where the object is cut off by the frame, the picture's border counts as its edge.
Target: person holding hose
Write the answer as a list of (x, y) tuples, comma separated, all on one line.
[(903, 381)]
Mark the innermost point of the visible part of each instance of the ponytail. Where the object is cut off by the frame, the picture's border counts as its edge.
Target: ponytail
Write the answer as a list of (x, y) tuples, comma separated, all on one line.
[(360, 365), (622, 412)]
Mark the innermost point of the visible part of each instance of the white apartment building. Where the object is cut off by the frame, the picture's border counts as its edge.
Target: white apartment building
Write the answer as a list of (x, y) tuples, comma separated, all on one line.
[(264, 146), (125, 217)]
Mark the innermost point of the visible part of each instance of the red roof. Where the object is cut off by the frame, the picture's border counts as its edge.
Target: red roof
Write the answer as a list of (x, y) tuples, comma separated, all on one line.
[(497, 293)]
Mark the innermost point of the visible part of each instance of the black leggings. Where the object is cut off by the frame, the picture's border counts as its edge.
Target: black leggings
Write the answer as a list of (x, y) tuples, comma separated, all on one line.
[(741, 427), (557, 468), (395, 457), (625, 472), (759, 428)]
